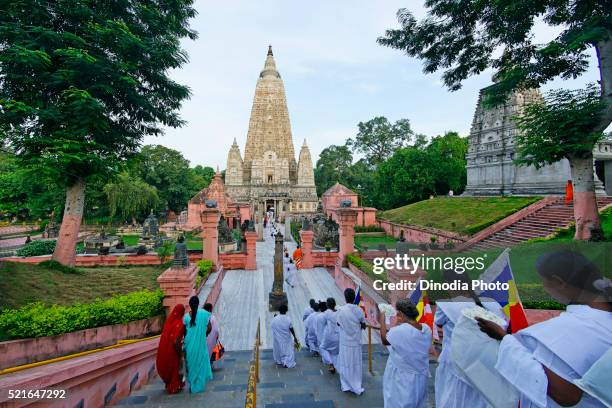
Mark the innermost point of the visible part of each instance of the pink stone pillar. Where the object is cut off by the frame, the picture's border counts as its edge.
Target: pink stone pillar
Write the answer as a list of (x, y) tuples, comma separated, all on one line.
[(306, 238), (346, 219), (178, 285), (210, 223), (251, 249)]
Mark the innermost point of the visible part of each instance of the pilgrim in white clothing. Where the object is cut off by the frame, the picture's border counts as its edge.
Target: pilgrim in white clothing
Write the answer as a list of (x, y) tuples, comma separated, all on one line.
[(351, 320), (283, 340)]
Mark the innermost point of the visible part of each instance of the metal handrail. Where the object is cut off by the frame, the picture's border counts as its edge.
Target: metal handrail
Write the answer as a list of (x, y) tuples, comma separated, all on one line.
[(251, 395)]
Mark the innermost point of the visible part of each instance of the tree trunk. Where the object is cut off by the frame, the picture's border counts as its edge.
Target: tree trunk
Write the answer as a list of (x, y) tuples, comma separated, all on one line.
[(586, 214), (604, 58), (65, 250)]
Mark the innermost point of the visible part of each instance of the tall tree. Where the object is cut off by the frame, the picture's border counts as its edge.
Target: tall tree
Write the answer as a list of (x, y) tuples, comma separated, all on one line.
[(448, 153), (82, 82), (332, 167), (130, 197), (462, 39), (407, 176), (168, 171), (377, 138)]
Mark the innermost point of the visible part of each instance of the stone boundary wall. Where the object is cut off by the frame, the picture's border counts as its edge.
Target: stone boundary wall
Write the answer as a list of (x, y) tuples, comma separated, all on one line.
[(229, 261), (420, 234), (324, 258), (214, 288), (94, 380), (26, 351), (509, 220), (233, 260)]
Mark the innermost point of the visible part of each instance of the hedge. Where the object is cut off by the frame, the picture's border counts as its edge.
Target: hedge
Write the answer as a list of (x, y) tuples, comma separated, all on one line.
[(366, 267), (369, 228), (36, 248), (39, 320), (295, 231)]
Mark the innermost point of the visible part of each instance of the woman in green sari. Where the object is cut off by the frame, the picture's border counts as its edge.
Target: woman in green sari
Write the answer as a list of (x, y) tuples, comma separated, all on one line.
[(197, 326)]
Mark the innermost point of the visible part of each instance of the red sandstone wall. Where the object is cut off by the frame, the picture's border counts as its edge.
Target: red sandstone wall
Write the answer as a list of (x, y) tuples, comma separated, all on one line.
[(324, 258), (233, 261), (25, 351), (415, 233), (87, 379)]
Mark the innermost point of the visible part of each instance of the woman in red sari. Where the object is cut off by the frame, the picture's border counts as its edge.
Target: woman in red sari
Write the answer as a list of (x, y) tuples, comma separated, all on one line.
[(170, 349)]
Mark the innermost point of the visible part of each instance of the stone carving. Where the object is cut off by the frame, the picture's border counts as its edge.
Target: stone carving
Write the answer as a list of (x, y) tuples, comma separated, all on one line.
[(181, 257), (150, 227), (225, 233), (325, 232), (211, 204), (346, 203)]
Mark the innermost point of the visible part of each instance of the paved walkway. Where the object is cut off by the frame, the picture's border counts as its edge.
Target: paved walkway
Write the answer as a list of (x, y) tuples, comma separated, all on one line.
[(244, 298)]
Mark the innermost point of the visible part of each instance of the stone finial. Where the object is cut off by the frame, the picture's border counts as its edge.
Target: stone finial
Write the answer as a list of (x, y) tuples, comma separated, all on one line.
[(270, 50)]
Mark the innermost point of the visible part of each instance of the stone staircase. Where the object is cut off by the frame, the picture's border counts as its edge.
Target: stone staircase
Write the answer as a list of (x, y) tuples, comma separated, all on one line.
[(540, 224), (308, 385)]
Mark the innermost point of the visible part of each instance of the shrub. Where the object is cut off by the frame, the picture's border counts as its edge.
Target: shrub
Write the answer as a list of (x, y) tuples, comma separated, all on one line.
[(369, 228), (36, 248), (295, 231), (205, 266), (39, 320), (366, 267), (164, 251)]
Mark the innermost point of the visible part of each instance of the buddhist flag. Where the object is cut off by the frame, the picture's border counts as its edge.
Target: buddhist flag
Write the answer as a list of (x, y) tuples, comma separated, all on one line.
[(500, 271), (359, 301), (421, 300)]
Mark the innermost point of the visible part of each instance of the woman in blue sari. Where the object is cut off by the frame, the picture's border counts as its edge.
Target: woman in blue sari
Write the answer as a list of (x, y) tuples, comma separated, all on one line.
[(197, 326)]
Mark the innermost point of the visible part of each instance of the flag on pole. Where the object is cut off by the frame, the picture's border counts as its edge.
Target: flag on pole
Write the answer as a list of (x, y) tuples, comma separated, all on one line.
[(421, 300), (359, 301), (500, 271)]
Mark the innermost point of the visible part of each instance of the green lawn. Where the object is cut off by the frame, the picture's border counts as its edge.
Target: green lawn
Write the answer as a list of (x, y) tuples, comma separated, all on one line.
[(466, 215), (373, 242), (193, 242), (522, 261), (21, 284)]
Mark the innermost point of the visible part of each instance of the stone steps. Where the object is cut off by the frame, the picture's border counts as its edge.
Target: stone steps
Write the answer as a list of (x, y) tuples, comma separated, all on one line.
[(540, 224), (308, 385)]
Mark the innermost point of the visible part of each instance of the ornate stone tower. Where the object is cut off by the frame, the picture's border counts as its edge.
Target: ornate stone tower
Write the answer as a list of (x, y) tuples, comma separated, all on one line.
[(269, 126), (491, 153), (233, 173), (305, 175), (269, 176)]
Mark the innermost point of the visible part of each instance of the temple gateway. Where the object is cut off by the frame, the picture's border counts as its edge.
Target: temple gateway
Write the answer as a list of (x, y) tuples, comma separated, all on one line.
[(490, 158), (269, 177)]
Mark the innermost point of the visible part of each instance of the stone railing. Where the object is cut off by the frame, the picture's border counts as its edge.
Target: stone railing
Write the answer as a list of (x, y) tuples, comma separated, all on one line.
[(26, 351), (511, 219), (418, 233), (94, 380)]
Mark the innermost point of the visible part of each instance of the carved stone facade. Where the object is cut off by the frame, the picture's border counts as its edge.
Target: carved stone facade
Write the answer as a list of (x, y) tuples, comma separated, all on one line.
[(491, 153), (269, 176)]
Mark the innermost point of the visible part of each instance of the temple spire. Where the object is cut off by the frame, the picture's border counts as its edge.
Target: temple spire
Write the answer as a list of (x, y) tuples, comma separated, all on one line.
[(270, 50)]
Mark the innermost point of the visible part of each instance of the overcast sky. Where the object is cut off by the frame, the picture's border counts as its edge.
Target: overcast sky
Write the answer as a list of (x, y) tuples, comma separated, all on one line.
[(335, 75)]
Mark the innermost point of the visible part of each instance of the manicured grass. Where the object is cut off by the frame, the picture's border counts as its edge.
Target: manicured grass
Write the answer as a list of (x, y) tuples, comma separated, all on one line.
[(373, 242), (21, 284), (466, 215), (523, 260), (193, 242), (567, 235)]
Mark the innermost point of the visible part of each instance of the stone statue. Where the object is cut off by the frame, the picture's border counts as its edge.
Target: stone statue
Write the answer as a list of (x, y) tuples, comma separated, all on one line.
[(325, 232), (225, 233), (211, 203), (306, 224), (346, 203), (181, 258), (250, 226), (150, 227)]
